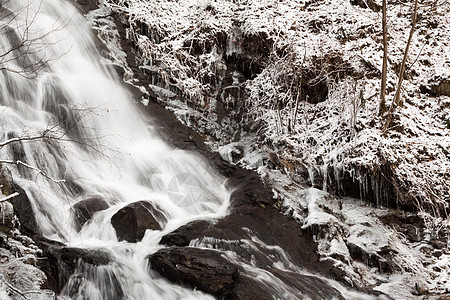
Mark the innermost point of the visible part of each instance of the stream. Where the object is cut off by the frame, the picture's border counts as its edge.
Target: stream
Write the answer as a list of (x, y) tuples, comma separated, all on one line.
[(82, 137)]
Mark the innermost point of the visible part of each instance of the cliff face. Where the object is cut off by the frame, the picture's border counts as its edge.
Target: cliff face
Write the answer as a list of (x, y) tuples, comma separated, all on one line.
[(21, 258), (291, 89)]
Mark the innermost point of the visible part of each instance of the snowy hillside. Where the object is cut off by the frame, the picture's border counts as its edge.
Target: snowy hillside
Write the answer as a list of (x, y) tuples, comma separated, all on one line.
[(305, 75)]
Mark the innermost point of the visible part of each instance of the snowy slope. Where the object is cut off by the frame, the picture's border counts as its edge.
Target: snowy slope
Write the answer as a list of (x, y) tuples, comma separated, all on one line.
[(331, 45)]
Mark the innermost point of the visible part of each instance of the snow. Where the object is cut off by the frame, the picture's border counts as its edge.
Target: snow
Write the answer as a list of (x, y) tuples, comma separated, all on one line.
[(18, 272), (347, 223)]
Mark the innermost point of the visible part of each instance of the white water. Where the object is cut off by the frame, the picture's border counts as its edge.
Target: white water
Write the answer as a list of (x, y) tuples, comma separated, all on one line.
[(100, 147)]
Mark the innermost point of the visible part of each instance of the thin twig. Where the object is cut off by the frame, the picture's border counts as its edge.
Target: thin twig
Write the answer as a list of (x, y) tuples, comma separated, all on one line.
[(9, 197)]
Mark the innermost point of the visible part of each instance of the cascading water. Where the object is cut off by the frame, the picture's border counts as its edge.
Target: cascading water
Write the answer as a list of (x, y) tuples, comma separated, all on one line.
[(90, 142), (97, 143)]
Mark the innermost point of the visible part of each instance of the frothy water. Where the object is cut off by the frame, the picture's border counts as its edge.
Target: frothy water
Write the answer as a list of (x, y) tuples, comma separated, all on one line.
[(98, 144), (81, 137)]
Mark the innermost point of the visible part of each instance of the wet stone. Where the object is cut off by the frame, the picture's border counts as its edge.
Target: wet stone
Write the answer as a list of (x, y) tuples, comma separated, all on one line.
[(183, 235), (131, 221), (86, 208), (202, 269), (23, 209)]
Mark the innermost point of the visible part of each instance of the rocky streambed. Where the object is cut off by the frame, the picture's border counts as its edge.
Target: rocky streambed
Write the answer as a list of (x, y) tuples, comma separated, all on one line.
[(317, 246)]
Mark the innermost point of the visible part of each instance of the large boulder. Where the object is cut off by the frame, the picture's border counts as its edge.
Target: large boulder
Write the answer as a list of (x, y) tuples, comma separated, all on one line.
[(23, 209), (131, 221), (85, 209), (203, 269), (61, 262), (185, 234)]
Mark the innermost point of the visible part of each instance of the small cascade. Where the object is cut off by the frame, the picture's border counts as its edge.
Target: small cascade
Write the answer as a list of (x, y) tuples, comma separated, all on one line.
[(89, 164), (273, 269), (79, 136)]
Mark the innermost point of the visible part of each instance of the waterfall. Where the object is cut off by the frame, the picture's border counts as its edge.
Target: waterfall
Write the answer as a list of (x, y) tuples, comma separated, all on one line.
[(93, 143), (70, 131)]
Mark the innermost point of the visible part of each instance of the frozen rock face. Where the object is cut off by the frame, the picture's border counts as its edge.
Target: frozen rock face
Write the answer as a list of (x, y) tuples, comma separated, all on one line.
[(19, 277), (376, 246)]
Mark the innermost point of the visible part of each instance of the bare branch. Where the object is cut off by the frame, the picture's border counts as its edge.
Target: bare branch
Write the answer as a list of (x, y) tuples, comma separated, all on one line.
[(9, 197), (405, 56), (25, 138), (25, 53), (39, 171)]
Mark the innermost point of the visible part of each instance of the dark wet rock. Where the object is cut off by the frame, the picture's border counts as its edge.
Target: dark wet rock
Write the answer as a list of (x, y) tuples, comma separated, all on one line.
[(23, 209), (70, 256), (271, 228), (250, 192), (85, 5), (133, 220), (373, 5), (85, 209), (186, 233), (60, 261), (310, 285), (410, 224), (205, 270), (248, 289), (5, 180), (111, 285), (209, 271)]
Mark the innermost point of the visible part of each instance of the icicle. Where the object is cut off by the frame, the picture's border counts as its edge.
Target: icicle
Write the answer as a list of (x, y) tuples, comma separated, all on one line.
[(311, 175), (325, 176)]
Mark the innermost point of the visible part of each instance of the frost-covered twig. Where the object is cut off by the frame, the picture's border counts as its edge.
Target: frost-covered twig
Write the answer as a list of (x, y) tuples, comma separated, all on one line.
[(37, 170), (45, 133), (6, 198), (13, 288)]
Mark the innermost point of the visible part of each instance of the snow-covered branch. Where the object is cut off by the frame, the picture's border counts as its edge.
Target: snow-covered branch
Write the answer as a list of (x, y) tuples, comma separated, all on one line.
[(9, 197), (37, 170)]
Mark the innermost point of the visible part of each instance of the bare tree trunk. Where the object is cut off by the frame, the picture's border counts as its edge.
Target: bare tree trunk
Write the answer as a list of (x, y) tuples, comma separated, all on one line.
[(297, 100), (299, 88), (405, 57), (385, 53)]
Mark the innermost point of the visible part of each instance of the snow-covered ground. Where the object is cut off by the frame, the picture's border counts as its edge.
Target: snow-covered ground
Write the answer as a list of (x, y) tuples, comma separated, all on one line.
[(331, 45), (291, 89)]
